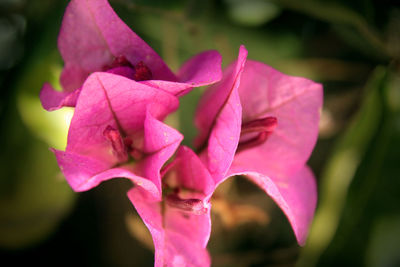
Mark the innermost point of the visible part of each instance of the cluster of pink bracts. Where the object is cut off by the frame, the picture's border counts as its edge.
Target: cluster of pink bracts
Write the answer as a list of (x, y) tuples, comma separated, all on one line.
[(253, 121)]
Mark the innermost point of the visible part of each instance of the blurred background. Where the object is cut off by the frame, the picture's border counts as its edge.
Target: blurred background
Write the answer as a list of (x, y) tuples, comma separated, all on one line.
[(351, 47)]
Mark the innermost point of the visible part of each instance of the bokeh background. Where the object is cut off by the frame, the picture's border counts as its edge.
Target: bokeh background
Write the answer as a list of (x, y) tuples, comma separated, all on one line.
[(351, 47)]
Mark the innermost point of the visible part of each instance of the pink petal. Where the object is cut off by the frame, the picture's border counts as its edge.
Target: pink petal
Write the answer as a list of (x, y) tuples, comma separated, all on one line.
[(183, 251), (191, 173), (78, 169), (160, 143), (219, 116), (172, 247), (296, 195), (110, 110), (174, 88), (224, 138), (112, 100), (53, 100), (295, 102), (202, 69), (84, 173), (92, 35), (195, 227), (215, 97)]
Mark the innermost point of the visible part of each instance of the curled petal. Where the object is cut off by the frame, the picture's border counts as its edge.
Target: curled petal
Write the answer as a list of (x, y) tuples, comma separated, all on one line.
[(158, 136), (218, 118), (296, 195), (224, 138), (79, 169), (160, 143), (216, 96), (53, 100), (83, 173), (200, 70)]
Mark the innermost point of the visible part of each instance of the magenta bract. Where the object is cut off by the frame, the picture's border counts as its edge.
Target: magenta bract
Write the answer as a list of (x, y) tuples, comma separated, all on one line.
[(180, 224), (263, 124), (117, 122), (255, 122), (93, 38)]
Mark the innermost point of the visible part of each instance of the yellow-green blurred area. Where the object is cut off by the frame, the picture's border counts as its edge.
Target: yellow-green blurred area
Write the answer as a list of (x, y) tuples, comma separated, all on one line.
[(351, 47)]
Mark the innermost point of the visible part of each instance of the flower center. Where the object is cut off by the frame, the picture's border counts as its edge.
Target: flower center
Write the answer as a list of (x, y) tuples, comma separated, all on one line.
[(177, 196), (256, 132), (122, 147), (139, 72), (120, 61), (142, 72), (192, 205)]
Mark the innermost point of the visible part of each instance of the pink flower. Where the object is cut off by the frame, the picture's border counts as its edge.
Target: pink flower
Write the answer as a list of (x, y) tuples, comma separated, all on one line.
[(263, 124), (256, 122), (116, 131), (93, 38), (180, 224)]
